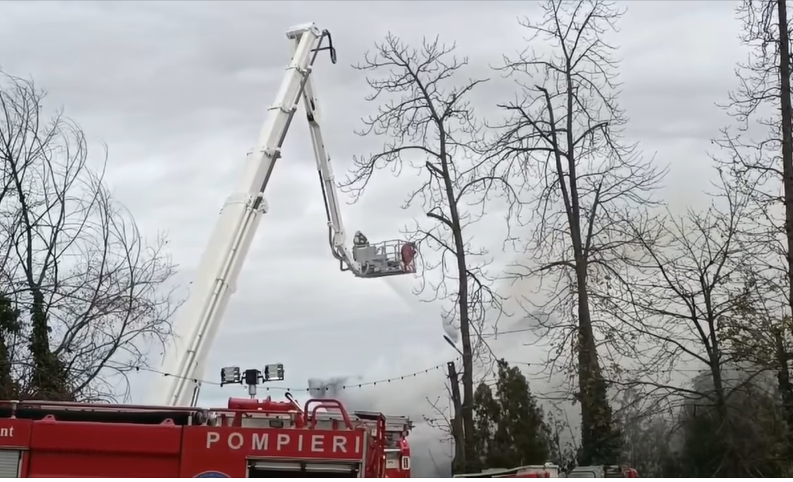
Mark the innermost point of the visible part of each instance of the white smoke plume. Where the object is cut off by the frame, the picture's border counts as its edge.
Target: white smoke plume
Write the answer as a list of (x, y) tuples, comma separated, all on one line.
[(414, 396), (448, 327), (430, 457)]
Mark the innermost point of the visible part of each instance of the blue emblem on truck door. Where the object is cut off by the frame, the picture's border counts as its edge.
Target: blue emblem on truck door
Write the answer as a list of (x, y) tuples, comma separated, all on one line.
[(211, 474)]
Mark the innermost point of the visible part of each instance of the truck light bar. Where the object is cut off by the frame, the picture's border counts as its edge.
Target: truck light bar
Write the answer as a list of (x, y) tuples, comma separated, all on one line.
[(230, 375), (251, 377)]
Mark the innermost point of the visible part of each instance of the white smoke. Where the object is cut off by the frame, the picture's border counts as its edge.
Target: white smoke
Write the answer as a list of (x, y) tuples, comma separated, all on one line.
[(430, 457), (402, 289), (447, 322), (415, 396)]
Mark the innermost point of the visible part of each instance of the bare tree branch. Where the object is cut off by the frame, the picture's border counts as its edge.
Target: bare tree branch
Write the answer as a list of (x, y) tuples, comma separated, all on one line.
[(73, 259)]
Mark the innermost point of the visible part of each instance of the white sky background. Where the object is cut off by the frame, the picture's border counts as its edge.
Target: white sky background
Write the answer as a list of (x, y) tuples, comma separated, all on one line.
[(178, 90)]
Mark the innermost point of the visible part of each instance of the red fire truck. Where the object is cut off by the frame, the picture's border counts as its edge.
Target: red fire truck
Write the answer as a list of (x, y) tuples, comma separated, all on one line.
[(250, 438)]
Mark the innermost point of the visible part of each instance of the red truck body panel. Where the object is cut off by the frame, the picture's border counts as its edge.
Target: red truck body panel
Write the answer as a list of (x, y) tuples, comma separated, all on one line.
[(50, 439), (86, 449), (226, 449)]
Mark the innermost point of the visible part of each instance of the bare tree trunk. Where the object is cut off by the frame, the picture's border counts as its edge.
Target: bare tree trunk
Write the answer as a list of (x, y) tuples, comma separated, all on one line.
[(785, 387), (786, 118), (787, 136), (9, 325), (465, 321), (596, 421), (458, 462), (48, 372)]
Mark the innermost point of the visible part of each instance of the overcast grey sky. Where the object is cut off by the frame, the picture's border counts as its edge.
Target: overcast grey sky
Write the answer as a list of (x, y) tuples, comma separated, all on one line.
[(178, 90)]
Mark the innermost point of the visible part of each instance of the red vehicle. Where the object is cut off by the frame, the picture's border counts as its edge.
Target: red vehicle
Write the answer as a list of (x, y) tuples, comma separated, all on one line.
[(250, 438), (397, 451)]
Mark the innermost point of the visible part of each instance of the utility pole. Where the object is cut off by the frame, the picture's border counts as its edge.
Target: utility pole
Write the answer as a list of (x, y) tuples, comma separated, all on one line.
[(458, 463)]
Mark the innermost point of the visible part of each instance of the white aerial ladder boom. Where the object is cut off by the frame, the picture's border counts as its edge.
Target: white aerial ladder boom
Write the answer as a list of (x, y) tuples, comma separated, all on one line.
[(365, 260), (200, 317)]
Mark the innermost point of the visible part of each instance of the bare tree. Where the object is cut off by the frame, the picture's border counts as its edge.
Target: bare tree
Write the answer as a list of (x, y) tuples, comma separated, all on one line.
[(760, 161), (678, 307), (430, 127), (674, 303), (89, 295), (449, 426), (562, 141)]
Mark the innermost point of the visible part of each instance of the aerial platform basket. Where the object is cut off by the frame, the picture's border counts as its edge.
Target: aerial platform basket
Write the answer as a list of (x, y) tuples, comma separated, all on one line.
[(387, 258)]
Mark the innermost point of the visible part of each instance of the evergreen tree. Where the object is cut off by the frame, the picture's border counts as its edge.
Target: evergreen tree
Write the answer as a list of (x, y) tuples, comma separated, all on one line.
[(510, 427)]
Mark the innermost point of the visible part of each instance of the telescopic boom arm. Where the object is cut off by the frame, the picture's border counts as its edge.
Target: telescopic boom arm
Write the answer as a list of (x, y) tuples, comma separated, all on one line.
[(365, 260), (200, 317)]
